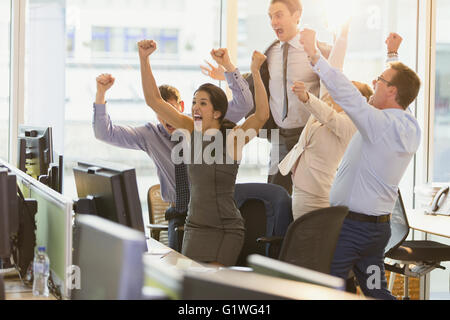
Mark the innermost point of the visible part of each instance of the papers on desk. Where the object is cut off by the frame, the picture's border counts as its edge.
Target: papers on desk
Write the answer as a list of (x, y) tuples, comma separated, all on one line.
[(202, 270), (16, 287), (188, 265), (157, 253)]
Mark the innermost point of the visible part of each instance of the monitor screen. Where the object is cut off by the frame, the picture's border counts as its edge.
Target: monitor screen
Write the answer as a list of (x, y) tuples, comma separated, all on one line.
[(109, 258), (35, 150), (113, 190)]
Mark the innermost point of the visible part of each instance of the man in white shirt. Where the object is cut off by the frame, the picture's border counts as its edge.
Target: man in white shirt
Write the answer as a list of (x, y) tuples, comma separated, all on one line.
[(286, 62), (367, 180)]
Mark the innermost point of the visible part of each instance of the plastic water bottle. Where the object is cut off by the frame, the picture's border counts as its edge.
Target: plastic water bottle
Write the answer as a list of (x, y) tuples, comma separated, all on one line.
[(41, 271)]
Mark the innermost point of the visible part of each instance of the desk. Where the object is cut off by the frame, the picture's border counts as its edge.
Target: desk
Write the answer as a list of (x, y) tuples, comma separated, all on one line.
[(15, 290), (430, 224), (435, 225), (177, 265)]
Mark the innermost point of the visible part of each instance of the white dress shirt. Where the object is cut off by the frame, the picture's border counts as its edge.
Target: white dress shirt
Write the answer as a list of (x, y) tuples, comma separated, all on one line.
[(298, 69), (379, 153)]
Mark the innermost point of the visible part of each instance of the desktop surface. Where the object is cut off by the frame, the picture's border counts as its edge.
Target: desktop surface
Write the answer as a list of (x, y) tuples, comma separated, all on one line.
[(176, 266), (16, 290), (433, 224)]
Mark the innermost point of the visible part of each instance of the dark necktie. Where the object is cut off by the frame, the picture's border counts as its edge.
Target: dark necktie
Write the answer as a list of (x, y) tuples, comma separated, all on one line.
[(285, 61), (181, 187)]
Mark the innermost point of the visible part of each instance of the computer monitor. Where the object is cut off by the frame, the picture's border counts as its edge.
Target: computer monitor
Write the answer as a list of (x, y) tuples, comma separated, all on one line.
[(280, 269), (9, 214), (5, 249), (110, 260), (35, 156), (35, 150), (46, 219), (109, 191), (227, 284)]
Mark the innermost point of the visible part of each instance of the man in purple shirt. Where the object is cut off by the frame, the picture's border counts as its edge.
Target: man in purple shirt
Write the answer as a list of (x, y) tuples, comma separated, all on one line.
[(155, 140)]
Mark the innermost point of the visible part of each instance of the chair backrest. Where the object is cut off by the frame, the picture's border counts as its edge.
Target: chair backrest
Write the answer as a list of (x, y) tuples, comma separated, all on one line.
[(311, 240), (157, 209), (399, 226), (254, 213), (277, 201)]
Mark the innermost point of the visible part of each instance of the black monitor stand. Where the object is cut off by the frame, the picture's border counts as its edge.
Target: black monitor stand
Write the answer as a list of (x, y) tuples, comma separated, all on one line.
[(86, 206), (54, 177)]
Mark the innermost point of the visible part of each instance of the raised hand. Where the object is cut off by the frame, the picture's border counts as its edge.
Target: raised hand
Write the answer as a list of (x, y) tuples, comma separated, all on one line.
[(300, 91), (222, 57), (104, 83), (257, 61), (308, 40), (345, 28), (146, 48), (216, 73), (393, 42)]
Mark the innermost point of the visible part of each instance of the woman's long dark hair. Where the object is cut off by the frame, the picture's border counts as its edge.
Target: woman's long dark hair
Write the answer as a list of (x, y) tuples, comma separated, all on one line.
[(219, 101)]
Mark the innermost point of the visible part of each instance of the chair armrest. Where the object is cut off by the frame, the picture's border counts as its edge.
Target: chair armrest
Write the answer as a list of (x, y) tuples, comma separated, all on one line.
[(155, 230), (158, 227), (270, 240), (179, 229)]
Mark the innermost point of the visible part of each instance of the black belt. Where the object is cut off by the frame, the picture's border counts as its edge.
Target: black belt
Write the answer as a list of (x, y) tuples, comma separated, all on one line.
[(365, 218)]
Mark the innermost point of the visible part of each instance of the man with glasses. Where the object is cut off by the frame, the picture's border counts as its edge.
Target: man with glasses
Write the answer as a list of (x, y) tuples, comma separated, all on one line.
[(367, 180)]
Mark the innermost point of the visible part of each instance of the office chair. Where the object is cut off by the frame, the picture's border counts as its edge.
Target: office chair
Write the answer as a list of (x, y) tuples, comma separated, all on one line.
[(311, 240), (414, 258), (156, 212), (254, 213), (277, 208)]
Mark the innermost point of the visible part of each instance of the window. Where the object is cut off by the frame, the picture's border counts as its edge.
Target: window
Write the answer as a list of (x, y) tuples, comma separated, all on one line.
[(439, 279), (132, 36), (5, 23), (100, 37), (441, 165), (121, 42)]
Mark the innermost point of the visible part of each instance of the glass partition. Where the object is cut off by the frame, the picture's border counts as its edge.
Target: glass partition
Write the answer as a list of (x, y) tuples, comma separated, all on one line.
[(5, 49)]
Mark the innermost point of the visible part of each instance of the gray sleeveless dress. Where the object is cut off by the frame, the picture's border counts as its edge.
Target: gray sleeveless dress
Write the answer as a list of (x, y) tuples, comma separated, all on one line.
[(214, 230)]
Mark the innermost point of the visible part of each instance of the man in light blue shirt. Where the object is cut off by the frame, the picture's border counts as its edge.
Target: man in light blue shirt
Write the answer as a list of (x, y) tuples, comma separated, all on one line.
[(155, 140), (367, 180)]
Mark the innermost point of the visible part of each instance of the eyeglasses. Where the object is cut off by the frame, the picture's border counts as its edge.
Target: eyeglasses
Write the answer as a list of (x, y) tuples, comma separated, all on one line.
[(380, 78)]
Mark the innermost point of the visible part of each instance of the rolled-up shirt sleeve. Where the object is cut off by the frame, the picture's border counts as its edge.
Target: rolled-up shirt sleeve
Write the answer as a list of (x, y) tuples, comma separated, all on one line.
[(116, 135), (338, 123), (369, 121), (242, 102)]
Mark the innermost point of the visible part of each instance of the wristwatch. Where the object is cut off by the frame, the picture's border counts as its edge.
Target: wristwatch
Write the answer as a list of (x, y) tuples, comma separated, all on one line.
[(392, 54)]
